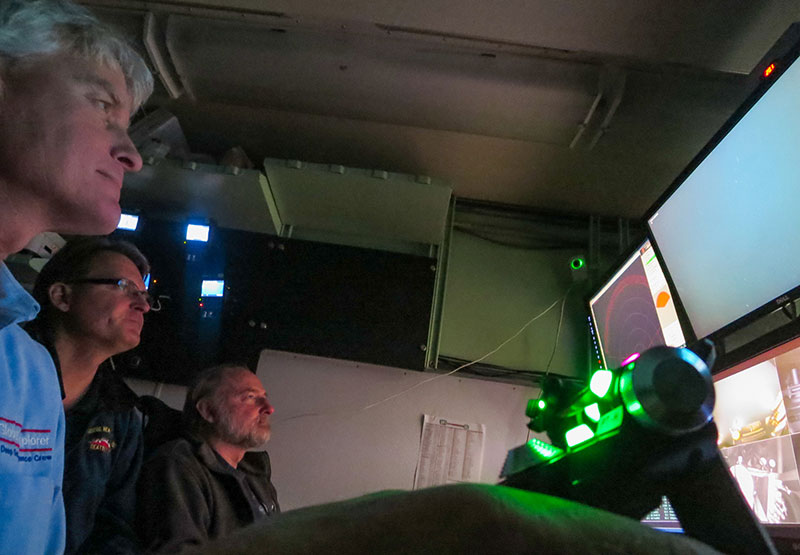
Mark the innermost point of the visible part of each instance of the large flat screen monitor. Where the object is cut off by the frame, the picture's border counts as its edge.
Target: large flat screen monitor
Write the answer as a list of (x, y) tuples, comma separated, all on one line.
[(729, 231), (634, 309)]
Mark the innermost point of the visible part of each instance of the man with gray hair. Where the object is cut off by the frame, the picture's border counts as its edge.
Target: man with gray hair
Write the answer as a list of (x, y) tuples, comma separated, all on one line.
[(68, 87), (209, 484)]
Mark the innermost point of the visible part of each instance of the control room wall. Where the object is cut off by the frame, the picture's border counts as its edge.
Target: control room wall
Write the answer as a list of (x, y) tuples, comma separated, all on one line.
[(493, 290)]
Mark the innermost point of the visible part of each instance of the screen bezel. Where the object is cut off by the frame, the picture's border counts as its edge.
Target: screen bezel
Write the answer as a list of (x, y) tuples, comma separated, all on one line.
[(784, 53), (774, 350)]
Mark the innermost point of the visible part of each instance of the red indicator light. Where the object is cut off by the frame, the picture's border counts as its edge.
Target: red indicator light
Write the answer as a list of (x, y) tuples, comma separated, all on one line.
[(769, 70), (201, 305)]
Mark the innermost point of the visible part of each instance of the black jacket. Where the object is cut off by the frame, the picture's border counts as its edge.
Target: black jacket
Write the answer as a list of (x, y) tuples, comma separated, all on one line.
[(102, 461), (188, 495), (103, 452)]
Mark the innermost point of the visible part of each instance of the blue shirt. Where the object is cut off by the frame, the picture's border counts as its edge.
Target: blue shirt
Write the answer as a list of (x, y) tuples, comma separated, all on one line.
[(31, 432)]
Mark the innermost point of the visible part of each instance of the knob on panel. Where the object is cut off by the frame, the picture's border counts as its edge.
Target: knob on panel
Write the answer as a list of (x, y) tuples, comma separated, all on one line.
[(669, 389)]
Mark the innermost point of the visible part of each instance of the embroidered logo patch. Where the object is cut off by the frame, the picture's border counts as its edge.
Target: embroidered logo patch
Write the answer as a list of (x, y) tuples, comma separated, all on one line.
[(101, 438), (26, 444), (101, 444)]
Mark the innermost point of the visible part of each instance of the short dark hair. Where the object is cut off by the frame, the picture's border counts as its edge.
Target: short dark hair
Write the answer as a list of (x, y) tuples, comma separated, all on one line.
[(205, 384), (73, 262)]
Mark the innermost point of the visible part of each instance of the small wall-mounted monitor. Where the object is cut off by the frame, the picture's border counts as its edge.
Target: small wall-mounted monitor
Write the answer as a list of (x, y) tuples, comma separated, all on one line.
[(634, 309), (128, 222), (728, 228), (212, 288), (196, 232)]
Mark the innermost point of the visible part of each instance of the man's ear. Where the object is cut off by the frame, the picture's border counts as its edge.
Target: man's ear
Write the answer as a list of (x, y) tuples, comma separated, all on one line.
[(60, 296), (206, 410)]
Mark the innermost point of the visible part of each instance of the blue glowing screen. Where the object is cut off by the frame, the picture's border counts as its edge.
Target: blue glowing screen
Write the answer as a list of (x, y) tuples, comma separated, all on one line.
[(196, 232), (212, 288), (729, 235), (128, 221)]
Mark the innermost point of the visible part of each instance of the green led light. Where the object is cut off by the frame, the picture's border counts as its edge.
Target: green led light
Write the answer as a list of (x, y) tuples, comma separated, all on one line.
[(544, 449), (635, 406), (577, 263), (593, 412), (601, 382), (578, 434), (542, 404)]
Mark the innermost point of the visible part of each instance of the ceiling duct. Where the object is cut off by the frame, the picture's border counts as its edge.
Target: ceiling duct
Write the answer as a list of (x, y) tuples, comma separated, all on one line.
[(610, 90)]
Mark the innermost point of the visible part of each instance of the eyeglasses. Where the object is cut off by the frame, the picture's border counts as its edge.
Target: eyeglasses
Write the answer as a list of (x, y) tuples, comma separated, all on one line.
[(125, 285)]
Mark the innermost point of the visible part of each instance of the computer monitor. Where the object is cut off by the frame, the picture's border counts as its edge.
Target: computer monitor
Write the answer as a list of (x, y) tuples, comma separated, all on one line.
[(634, 309), (757, 412), (727, 230), (663, 518), (758, 416), (212, 288)]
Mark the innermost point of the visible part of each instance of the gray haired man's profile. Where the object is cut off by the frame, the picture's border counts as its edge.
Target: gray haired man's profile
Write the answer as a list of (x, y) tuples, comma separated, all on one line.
[(211, 482), (68, 87)]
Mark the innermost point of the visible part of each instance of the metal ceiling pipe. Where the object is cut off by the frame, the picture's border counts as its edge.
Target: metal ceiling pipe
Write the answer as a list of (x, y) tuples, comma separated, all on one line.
[(585, 123), (160, 57), (617, 77)]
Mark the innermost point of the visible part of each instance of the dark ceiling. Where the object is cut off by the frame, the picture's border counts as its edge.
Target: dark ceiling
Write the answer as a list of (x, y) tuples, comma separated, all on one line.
[(577, 106)]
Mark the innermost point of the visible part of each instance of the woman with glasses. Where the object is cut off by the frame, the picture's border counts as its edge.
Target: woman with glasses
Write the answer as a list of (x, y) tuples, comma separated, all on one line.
[(93, 301)]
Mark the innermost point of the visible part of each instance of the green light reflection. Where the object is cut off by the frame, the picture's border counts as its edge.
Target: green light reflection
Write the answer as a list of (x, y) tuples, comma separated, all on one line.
[(578, 434), (544, 449), (601, 382), (593, 412)]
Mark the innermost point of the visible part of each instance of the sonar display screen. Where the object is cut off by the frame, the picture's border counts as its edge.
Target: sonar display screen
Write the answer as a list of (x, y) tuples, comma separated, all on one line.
[(634, 310)]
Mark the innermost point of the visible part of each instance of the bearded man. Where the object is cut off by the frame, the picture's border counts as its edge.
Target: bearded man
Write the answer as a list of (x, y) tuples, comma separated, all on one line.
[(208, 484)]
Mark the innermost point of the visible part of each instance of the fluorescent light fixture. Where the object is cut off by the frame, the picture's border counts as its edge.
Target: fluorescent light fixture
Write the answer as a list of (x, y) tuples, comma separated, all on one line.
[(212, 288), (128, 221), (196, 232)]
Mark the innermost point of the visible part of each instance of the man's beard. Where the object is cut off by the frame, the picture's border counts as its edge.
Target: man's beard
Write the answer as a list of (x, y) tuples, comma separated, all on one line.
[(245, 437)]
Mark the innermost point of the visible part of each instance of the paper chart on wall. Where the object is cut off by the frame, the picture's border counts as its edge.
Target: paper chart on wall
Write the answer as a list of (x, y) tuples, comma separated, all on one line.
[(449, 452)]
